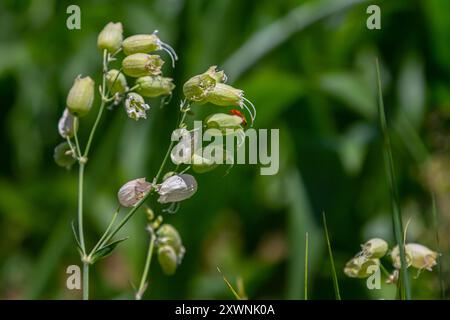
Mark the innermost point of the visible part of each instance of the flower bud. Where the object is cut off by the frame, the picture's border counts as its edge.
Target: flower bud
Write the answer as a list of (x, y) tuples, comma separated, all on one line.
[(66, 125), (110, 38), (116, 81), (167, 259), (418, 256), (375, 248), (168, 235), (154, 86), (141, 43), (81, 96), (226, 123), (226, 95), (136, 107), (177, 188), (133, 191), (361, 267), (63, 155), (141, 64)]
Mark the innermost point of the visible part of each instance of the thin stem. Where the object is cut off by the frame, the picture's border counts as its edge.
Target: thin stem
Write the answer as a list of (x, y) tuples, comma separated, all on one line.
[(101, 242), (148, 261), (390, 170), (75, 136), (330, 253), (80, 207), (306, 266), (85, 281), (386, 273)]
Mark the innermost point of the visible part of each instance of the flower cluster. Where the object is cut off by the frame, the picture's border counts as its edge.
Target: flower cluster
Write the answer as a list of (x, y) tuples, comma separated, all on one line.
[(138, 75), (417, 256)]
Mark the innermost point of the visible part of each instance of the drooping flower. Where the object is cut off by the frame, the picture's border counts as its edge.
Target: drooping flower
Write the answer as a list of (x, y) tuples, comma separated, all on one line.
[(136, 107), (375, 248), (417, 256), (361, 267), (177, 188), (142, 64), (110, 38), (81, 96), (154, 86), (116, 81), (63, 155), (145, 43), (66, 125), (210, 87), (133, 191)]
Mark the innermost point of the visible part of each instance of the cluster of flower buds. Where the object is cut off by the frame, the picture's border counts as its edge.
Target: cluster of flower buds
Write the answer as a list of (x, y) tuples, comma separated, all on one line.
[(210, 87), (417, 256), (170, 248)]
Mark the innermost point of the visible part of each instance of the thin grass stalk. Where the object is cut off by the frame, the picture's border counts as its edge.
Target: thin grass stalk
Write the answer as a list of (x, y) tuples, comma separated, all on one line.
[(330, 254), (396, 212)]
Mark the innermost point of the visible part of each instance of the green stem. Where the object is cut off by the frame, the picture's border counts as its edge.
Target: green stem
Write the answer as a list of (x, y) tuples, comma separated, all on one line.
[(396, 213), (148, 261), (80, 206), (101, 242), (306, 266), (85, 281)]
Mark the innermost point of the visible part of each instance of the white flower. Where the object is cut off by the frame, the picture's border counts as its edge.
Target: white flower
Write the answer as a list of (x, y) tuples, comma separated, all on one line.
[(177, 188), (136, 106), (417, 256), (375, 248), (66, 125), (133, 191)]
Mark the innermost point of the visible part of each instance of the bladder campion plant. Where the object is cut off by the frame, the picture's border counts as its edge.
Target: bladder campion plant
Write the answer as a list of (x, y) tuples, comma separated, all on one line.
[(142, 66)]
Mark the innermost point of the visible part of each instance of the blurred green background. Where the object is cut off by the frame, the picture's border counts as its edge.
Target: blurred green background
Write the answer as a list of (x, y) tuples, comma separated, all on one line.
[(309, 68)]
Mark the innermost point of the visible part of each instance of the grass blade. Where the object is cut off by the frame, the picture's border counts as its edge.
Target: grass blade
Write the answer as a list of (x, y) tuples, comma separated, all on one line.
[(306, 266), (233, 291), (390, 172), (330, 254), (438, 249)]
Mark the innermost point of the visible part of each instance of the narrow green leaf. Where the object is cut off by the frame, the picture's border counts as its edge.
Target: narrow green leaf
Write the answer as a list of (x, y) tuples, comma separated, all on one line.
[(330, 254), (390, 172), (106, 250), (236, 295)]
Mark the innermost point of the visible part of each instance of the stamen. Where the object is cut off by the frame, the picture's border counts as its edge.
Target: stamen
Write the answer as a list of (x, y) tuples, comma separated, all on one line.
[(170, 51), (252, 105)]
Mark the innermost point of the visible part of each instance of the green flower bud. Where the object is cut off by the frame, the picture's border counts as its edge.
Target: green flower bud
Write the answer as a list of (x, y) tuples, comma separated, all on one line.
[(167, 259), (81, 96), (375, 248), (116, 81), (136, 107), (361, 267), (417, 256), (168, 235), (141, 43), (110, 38), (226, 95), (154, 86), (66, 125), (141, 64), (145, 43), (177, 188), (133, 191), (63, 155), (223, 121)]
